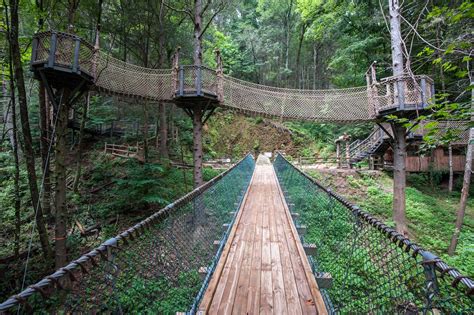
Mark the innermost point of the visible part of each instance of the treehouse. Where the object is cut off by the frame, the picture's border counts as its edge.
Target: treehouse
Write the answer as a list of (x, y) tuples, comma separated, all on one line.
[(376, 148)]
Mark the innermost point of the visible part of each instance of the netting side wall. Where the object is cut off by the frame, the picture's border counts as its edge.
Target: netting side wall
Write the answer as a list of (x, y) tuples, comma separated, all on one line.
[(152, 268), (374, 269), (336, 105)]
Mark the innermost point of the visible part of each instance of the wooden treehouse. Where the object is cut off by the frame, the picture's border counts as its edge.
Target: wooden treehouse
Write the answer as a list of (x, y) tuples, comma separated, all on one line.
[(403, 96), (376, 149)]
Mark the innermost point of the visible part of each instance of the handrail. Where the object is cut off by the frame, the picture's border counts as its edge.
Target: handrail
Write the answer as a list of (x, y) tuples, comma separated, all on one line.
[(101, 251), (397, 238)]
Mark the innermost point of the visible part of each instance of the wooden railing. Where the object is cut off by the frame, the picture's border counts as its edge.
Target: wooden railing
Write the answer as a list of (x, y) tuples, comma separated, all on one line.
[(122, 150), (399, 93)]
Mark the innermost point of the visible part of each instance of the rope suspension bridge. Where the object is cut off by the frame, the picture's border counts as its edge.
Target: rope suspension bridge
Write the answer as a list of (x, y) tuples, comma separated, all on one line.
[(256, 239), (59, 56), (259, 237)]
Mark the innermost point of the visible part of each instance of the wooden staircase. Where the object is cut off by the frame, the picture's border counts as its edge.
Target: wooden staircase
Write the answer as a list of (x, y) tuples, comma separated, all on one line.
[(363, 149)]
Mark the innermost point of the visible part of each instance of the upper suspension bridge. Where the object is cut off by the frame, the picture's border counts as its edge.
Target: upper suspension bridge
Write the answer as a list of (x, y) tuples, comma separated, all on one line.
[(60, 58), (258, 238)]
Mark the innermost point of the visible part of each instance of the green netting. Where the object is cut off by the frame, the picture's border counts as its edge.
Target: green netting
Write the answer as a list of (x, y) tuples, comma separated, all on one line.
[(153, 267), (374, 269)]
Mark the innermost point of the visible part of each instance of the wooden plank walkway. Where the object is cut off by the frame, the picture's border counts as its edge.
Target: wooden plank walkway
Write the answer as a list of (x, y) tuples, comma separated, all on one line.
[(263, 268)]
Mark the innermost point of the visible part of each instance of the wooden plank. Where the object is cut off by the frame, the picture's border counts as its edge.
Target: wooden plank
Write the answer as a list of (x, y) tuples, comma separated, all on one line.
[(316, 294), (211, 289), (253, 295), (264, 269), (240, 301), (230, 291), (266, 294), (291, 289)]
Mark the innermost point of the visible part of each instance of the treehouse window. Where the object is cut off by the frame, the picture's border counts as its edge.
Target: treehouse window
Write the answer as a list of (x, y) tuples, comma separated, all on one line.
[(413, 151)]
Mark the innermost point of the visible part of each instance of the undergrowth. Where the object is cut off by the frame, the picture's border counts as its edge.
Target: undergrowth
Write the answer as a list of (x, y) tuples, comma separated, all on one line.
[(431, 211)]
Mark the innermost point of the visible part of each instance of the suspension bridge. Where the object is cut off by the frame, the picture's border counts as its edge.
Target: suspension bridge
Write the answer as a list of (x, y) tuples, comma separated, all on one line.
[(261, 237)]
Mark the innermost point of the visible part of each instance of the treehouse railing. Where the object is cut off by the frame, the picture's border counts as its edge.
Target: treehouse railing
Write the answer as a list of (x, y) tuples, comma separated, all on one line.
[(399, 93), (197, 81), (375, 270), (152, 267), (63, 51)]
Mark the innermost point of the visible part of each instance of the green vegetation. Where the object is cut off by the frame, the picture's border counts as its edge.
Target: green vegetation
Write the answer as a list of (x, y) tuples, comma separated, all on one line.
[(431, 211)]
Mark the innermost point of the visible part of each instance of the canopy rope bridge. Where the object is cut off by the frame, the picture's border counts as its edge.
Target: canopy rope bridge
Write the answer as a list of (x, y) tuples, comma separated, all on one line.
[(169, 262), (87, 67)]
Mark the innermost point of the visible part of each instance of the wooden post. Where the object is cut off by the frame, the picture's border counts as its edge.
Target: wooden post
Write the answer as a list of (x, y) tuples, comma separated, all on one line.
[(450, 159), (338, 153)]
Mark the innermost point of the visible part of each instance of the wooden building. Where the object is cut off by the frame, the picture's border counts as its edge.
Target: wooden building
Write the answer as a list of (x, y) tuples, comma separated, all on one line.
[(376, 148)]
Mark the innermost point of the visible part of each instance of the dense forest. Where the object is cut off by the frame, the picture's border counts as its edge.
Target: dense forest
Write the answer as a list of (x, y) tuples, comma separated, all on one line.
[(297, 44)]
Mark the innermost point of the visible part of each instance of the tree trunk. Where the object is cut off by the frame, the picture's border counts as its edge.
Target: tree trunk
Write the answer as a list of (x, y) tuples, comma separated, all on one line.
[(7, 115), (399, 178), (465, 184), (197, 152), (44, 147), (399, 148), (25, 126), (298, 56), (197, 111), (145, 133), (60, 189), (396, 37), (77, 178), (16, 180), (163, 134)]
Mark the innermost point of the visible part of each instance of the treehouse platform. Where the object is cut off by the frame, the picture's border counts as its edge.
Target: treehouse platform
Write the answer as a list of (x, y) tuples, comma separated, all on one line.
[(263, 268), (63, 60)]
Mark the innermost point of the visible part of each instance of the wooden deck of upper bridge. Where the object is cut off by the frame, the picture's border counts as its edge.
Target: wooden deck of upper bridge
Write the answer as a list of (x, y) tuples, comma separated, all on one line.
[(263, 268)]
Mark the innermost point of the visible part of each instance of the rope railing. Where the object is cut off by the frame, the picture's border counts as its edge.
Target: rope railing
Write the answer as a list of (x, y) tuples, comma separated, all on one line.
[(374, 268), (71, 54), (152, 267)]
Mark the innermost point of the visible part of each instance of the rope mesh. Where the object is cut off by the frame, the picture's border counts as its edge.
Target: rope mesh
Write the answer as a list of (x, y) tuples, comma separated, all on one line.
[(334, 105), (374, 269), (155, 266)]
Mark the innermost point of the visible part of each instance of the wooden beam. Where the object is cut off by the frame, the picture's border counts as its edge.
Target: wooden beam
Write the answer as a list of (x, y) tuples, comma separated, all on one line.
[(324, 280), (310, 249)]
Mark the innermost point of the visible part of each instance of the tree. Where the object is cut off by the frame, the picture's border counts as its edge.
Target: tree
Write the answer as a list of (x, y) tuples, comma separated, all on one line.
[(29, 156), (198, 111), (466, 182), (399, 130)]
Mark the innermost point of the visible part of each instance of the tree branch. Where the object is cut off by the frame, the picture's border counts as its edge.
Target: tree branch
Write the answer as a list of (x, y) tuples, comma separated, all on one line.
[(211, 19), (187, 12)]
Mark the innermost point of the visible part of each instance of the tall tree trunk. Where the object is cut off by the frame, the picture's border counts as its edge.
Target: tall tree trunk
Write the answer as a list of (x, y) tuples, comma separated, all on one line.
[(399, 148), (16, 179), (25, 126), (163, 125), (399, 178), (7, 114), (77, 178), (197, 152), (298, 56), (197, 111), (145, 133), (60, 172), (396, 37), (44, 148), (465, 184), (163, 132)]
